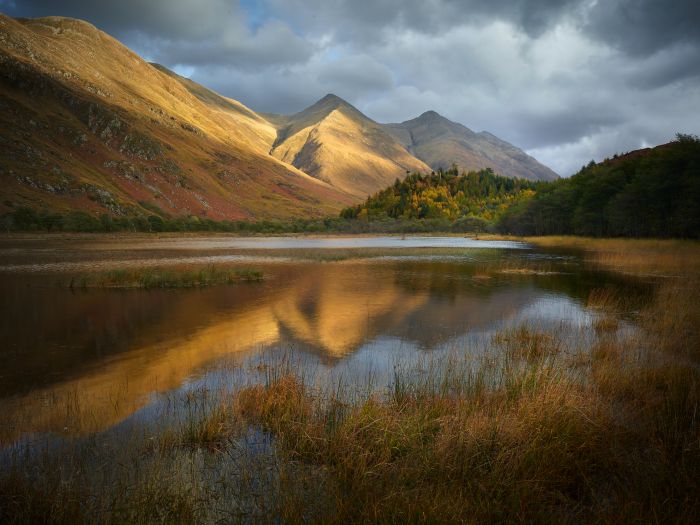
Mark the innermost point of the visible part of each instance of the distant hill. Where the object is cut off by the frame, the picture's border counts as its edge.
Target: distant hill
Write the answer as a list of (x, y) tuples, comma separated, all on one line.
[(440, 142), (654, 192)]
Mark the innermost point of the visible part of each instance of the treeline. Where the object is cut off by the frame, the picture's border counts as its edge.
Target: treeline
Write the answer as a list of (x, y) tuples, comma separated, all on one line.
[(648, 193), (479, 196), (26, 219)]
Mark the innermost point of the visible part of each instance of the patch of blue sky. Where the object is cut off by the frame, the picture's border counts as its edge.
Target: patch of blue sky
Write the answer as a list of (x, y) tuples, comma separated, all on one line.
[(257, 13)]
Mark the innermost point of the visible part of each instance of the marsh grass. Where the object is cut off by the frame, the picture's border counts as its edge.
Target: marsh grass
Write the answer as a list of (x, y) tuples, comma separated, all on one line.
[(519, 432), (639, 256), (528, 446), (165, 277), (518, 438), (211, 429), (525, 342)]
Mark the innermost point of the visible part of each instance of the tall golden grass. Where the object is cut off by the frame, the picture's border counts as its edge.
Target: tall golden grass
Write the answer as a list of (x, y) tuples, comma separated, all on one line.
[(652, 256)]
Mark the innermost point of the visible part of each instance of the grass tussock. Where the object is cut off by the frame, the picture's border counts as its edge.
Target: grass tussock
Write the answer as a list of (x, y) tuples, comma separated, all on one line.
[(513, 454), (525, 342), (158, 277), (211, 430)]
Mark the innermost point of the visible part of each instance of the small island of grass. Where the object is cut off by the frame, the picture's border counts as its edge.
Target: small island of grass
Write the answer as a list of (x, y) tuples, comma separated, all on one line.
[(161, 277)]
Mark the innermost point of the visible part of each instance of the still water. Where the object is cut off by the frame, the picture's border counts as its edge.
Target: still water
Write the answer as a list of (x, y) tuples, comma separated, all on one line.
[(353, 305)]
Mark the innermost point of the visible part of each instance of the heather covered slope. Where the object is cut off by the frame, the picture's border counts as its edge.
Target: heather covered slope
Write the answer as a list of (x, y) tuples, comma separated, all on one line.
[(440, 142), (334, 142), (87, 124)]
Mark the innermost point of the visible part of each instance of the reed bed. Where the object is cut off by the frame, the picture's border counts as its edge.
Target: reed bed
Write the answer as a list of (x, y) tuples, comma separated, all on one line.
[(645, 256)]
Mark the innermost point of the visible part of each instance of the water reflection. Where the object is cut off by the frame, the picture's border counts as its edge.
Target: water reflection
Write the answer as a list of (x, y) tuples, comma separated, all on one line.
[(81, 362)]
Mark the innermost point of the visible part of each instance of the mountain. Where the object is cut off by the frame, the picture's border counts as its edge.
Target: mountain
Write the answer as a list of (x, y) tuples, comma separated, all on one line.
[(87, 124), (334, 142), (440, 142)]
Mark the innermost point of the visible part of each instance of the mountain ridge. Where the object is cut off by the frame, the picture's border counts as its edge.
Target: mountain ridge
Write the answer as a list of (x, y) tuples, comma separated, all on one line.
[(440, 142)]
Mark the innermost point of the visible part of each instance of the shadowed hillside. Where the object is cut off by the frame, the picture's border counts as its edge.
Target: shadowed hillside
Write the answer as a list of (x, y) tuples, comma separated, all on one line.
[(440, 142)]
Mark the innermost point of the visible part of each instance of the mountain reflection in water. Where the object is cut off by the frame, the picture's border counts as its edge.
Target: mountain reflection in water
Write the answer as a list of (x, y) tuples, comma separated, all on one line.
[(100, 355)]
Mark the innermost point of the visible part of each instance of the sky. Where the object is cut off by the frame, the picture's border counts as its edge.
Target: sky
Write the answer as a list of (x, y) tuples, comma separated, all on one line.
[(566, 80)]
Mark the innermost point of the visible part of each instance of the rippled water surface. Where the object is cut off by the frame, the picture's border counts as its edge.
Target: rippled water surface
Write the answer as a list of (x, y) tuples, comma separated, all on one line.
[(354, 306)]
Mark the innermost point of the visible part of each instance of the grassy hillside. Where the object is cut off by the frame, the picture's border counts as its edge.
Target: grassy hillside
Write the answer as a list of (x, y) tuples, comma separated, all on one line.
[(86, 124)]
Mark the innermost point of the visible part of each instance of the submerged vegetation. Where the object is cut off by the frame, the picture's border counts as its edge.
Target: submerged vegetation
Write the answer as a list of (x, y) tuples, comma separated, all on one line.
[(166, 277), (536, 426)]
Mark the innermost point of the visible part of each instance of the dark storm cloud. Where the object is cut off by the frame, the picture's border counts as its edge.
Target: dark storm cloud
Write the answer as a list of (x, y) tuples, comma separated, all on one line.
[(569, 80), (198, 32), (642, 27), (272, 44), (370, 18), (160, 18)]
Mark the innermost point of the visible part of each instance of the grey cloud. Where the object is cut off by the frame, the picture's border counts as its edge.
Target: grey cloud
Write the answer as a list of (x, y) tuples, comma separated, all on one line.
[(357, 74), (680, 63), (569, 80), (272, 43), (370, 18), (290, 89), (641, 27), (566, 125), (179, 19)]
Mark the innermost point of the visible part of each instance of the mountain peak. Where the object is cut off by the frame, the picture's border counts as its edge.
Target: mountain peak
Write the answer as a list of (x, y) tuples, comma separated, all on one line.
[(430, 114), (326, 104), (325, 107), (330, 101), (330, 97)]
